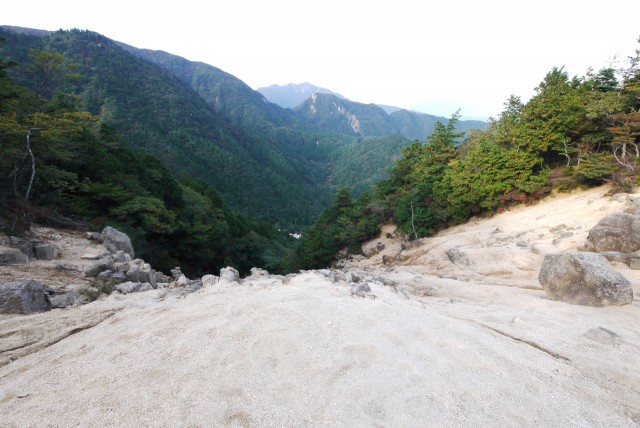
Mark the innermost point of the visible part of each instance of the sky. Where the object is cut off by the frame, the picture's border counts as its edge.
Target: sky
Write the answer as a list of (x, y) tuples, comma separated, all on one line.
[(434, 57)]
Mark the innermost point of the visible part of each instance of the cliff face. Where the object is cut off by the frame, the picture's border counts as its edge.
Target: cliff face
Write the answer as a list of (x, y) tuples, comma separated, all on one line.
[(413, 335)]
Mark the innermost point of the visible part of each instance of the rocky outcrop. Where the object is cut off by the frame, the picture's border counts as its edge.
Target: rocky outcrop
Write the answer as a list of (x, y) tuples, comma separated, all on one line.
[(114, 240), (616, 232), (585, 279), (23, 297)]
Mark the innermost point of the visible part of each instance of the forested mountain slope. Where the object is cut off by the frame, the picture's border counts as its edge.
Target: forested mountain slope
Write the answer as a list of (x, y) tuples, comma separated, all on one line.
[(154, 110), (334, 114)]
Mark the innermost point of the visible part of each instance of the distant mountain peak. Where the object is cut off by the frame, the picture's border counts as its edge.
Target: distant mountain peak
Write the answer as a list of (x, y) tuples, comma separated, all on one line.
[(293, 94)]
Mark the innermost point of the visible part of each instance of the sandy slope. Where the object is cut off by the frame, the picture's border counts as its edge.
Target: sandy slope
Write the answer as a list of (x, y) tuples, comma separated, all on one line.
[(446, 346)]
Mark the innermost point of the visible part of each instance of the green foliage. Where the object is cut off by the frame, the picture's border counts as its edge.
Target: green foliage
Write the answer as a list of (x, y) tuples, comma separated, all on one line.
[(343, 226), (595, 168)]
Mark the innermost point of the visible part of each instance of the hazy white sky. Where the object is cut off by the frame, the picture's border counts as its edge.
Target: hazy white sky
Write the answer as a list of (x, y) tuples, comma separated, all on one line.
[(424, 55)]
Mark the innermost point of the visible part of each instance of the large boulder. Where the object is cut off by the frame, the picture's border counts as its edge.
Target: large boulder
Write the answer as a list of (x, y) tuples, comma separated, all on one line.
[(616, 232), (25, 296), (114, 240), (585, 279), (45, 250), (10, 256), (97, 266)]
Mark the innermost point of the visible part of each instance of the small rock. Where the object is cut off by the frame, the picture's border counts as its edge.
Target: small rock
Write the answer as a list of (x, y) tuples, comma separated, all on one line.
[(458, 257), (128, 287), (360, 289), (259, 273), (122, 257), (93, 236), (90, 256), (182, 281)]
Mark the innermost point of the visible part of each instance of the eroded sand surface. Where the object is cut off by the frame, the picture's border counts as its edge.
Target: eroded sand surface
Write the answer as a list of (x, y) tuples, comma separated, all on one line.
[(441, 345)]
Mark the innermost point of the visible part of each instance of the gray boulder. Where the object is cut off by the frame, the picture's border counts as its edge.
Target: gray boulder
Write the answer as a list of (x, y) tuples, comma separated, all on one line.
[(209, 280), (584, 279), (360, 289), (229, 274), (133, 287), (114, 240), (24, 245), (142, 273), (10, 256), (616, 232), (61, 300), (45, 251), (98, 266), (176, 273), (122, 257), (25, 296)]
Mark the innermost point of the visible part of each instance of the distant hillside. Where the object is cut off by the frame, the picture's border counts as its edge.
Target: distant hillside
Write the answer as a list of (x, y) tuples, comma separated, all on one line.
[(333, 114), (156, 111), (292, 94)]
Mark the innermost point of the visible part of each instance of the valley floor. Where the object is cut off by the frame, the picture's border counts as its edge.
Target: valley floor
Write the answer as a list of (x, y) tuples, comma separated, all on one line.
[(471, 343)]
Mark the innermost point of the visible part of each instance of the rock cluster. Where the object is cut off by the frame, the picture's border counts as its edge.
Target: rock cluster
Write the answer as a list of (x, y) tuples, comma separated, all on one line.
[(22, 250), (587, 278)]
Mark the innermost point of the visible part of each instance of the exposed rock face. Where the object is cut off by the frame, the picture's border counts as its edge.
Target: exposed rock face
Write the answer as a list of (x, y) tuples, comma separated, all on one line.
[(115, 240), (458, 257), (585, 279), (23, 297), (616, 232)]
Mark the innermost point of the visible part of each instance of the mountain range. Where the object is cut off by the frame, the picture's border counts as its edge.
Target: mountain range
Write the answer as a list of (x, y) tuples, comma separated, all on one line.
[(276, 164)]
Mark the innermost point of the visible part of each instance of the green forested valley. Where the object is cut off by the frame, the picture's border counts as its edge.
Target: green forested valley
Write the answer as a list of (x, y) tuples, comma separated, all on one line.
[(202, 172)]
